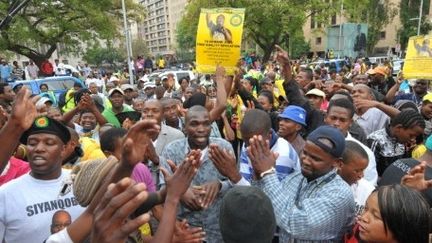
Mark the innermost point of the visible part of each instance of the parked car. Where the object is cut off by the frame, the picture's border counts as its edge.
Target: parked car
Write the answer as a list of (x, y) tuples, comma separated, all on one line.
[(57, 84)]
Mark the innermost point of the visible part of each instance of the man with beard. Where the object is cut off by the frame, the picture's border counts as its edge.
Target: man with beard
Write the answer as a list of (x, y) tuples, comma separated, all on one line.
[(33, 198), (201, 202)]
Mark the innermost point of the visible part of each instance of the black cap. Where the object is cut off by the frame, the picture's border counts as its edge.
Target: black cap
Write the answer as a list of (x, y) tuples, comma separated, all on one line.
[(332, 134), (132, 115), (45, 124)]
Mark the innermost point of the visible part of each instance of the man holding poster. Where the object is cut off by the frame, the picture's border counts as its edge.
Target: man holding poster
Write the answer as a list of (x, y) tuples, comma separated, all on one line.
[(218, 39)]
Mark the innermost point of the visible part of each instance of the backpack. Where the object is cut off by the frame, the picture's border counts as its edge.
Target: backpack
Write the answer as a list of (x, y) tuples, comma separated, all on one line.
[(62, 99)]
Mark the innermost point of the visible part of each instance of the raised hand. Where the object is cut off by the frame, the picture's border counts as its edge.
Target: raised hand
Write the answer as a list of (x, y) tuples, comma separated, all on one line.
[(262, 158), (364, 104), (209, 192), (137, 140), (415, 178), (24, 110), (225, 162), (220, 72), (281, 55), (179, 182), (183, 233), (111, 223)]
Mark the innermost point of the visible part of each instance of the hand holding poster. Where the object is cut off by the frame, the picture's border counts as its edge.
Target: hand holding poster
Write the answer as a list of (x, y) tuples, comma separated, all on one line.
[(418, 60), (219, 39)]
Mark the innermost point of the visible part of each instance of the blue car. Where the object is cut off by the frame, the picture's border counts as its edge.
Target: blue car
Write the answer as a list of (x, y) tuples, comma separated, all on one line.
[(56, 85)]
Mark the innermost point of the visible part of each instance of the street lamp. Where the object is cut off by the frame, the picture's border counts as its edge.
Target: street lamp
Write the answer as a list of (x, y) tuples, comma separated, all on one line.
[(128, 45), (419, 17)]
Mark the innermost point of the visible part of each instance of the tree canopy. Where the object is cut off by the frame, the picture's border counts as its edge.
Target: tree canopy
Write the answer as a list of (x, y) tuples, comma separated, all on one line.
[(266, 23), (408, 11), (42, 24)]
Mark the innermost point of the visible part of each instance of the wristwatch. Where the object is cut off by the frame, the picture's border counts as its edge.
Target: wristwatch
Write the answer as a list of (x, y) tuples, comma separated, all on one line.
[(272, 170)]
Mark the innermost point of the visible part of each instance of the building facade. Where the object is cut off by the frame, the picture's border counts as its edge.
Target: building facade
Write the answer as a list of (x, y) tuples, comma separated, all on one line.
[(317, 35), (159, 28)]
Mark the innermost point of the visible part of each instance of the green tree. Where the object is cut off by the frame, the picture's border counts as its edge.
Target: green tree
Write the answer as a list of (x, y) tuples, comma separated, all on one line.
[(377, 14), (266, 22), (408, 11), (99, 55), (45, 23)]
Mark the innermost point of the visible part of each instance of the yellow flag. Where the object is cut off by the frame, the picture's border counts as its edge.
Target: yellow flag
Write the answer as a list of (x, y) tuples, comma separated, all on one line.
[(418, 60), (219, 39)]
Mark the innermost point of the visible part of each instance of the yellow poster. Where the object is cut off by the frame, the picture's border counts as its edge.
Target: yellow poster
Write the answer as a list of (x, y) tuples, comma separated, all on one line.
[(418, 60), (219, 39)]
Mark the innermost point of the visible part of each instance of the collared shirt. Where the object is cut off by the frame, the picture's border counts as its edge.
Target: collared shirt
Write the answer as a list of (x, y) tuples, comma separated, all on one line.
[(208, 218), (386, 149), (372, 120), (110, 116), (321, 210)]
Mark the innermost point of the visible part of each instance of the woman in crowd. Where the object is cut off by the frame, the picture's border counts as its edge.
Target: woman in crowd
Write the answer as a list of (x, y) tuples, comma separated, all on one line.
[(394, 214)]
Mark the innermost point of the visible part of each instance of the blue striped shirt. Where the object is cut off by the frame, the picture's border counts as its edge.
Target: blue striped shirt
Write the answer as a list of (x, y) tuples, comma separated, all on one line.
[(321, 210), (287, 162)]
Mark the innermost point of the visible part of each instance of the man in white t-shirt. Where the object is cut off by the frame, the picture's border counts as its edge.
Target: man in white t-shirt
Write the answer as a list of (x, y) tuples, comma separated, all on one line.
[(28, 203), (355, 161)]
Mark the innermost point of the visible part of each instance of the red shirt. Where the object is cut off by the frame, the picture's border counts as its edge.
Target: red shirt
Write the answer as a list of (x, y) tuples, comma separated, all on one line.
[(15, 169)]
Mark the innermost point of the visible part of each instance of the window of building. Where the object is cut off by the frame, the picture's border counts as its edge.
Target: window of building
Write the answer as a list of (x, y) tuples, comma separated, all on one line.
[(333, 20), (382, 35), (312, 21), (318, 41)]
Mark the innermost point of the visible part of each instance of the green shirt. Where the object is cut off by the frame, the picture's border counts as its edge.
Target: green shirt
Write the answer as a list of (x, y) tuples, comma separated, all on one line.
[(110, 116)]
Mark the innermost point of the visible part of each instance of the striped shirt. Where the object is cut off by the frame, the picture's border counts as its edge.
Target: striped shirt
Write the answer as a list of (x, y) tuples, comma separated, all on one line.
[(287, 162), (321, 210)]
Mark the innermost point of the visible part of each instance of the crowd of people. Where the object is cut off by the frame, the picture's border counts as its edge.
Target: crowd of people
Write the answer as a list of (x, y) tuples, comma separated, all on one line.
[(277, 152)]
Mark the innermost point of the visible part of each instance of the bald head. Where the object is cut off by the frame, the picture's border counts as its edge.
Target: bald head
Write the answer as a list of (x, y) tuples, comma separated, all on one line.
[(60, 220)]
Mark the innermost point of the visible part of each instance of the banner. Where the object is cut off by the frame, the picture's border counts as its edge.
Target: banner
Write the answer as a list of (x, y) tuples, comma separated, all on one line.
[(219, 39), (418, 60)]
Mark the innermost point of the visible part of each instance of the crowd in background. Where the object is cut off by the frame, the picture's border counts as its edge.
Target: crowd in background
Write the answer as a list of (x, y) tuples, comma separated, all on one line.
[(281, 151)]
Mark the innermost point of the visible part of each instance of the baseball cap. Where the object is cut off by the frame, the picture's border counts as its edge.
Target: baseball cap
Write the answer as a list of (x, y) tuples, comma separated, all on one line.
[(114, 78), (149, 85), (144, 79), (125, 87), (332, 134), (427, 97), (294, 113), (116, 89), (378, 70), (246, 215), (316, 92)]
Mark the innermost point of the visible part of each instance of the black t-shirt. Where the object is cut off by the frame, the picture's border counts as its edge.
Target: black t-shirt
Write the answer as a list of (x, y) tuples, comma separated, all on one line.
[(394, 173)]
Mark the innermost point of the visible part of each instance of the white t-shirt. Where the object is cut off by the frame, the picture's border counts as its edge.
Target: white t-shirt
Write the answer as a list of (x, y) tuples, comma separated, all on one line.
[(60, 237), (370, 173), (27, 206), (361, 190)]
